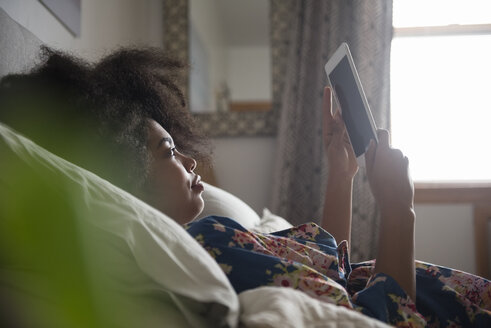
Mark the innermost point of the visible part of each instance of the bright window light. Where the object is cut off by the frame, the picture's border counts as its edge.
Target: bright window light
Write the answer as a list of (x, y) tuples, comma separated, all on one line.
[(440, 101), (410, 13)]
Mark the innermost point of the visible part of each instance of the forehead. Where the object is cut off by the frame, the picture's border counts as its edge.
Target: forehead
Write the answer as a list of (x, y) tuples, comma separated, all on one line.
[(157, 134)]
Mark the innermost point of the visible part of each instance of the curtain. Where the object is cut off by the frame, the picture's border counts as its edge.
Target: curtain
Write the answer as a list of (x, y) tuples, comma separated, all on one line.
[(316, 29)]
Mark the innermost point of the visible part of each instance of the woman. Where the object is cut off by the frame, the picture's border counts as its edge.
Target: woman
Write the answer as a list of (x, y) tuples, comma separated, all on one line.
[(129, 112)]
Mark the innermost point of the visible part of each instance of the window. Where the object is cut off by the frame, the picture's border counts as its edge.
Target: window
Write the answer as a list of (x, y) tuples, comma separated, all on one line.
[(441, 88)]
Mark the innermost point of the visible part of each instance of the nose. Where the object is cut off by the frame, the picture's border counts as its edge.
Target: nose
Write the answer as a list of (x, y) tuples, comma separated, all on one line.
[(189, 163)]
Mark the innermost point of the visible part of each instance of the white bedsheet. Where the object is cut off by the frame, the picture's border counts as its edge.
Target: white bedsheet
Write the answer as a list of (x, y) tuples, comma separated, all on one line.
[(286, 307)]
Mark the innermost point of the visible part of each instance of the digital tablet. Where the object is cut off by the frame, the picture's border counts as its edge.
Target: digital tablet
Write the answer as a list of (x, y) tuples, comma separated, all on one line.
[(348, 92)]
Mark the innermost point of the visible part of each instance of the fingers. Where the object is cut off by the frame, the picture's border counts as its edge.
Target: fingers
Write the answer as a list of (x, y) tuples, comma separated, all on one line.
[(370, 155), (351, 152), (383, 153), (383, 137), (326, 116), (327, 119), (327, 103), (338, 117), (383, 141)]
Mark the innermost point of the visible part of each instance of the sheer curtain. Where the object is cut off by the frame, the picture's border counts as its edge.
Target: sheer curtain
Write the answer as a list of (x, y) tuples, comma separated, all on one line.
[(316, 30)]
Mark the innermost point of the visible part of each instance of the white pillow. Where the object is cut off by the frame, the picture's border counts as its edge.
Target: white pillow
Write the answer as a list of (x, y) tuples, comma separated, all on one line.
[(271, 223), (222, 203), (154, 262), (269, 307)]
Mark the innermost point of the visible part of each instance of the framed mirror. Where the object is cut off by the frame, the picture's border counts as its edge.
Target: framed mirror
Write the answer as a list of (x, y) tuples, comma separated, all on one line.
[(230, 55), (253, 119)]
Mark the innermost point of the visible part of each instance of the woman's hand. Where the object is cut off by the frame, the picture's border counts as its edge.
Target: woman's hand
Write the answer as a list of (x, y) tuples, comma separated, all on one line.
[(388, 174), (340, 155), (342, 167), (392, 187)]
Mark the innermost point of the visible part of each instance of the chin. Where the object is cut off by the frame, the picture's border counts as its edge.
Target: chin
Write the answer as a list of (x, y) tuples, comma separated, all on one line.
[(191, 212), (199, 209)]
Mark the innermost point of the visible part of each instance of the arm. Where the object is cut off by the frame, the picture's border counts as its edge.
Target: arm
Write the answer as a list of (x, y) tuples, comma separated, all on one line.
[(337, 207), (392, 187), (342, 167)]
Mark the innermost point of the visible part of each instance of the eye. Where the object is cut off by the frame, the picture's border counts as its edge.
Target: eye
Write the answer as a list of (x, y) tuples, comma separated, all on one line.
[(172, 152)]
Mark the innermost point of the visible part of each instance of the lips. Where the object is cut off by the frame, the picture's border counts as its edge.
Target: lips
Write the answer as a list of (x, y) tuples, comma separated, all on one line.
[(197, 185)]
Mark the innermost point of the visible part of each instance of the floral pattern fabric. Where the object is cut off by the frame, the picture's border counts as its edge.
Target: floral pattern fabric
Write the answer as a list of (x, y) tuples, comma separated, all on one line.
[(307, 258)]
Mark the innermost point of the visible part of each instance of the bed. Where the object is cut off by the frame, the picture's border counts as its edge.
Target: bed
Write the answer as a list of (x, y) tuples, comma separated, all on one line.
[(76, 251)]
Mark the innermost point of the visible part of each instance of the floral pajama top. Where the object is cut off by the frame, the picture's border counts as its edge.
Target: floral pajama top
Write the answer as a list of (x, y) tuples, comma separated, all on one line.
[(307, 258)]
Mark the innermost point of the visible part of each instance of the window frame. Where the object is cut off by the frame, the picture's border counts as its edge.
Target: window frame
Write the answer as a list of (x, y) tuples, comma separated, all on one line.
[(438, 30)]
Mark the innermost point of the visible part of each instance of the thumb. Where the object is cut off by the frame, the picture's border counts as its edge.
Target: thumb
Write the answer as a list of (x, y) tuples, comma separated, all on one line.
[(327, 104), (383, 137), (326, 115)]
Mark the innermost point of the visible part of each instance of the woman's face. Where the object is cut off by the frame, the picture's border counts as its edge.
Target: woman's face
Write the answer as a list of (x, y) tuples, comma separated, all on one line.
[(172, 186)]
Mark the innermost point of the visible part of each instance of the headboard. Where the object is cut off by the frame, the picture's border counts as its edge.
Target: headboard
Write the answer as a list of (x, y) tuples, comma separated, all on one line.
[(19, 48)]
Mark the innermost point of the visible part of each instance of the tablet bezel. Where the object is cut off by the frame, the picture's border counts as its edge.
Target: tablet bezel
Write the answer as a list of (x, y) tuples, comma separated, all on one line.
[(344, 52)]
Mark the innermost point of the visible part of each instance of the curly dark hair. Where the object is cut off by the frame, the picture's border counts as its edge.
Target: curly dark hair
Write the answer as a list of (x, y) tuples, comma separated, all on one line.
[(107, 104)]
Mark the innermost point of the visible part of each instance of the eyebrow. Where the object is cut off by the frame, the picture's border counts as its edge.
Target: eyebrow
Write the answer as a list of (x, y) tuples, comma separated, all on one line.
[(164, 139)]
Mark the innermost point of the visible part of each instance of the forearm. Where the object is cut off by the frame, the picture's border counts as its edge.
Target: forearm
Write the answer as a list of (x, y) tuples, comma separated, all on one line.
[(337, 207), (395, 255)]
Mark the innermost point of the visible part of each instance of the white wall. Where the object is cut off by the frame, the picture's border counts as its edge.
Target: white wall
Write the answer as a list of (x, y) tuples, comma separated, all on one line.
[(244, 167), (444, 235), (105, 24)]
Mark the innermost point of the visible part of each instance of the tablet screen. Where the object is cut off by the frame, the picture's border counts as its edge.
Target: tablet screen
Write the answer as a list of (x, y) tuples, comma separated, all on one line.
[(353, 111)]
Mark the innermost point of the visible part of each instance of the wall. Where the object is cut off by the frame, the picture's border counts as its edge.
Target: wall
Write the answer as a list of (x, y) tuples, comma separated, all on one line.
[(105, 24), (444, 235), (244, 167)]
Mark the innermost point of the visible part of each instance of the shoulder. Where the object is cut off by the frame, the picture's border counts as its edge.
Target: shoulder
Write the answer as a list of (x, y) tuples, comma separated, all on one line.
[(213, 222)]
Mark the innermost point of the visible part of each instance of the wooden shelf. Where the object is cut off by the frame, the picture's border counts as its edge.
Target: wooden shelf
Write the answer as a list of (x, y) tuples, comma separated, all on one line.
[(250, 106), (429, 192)]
